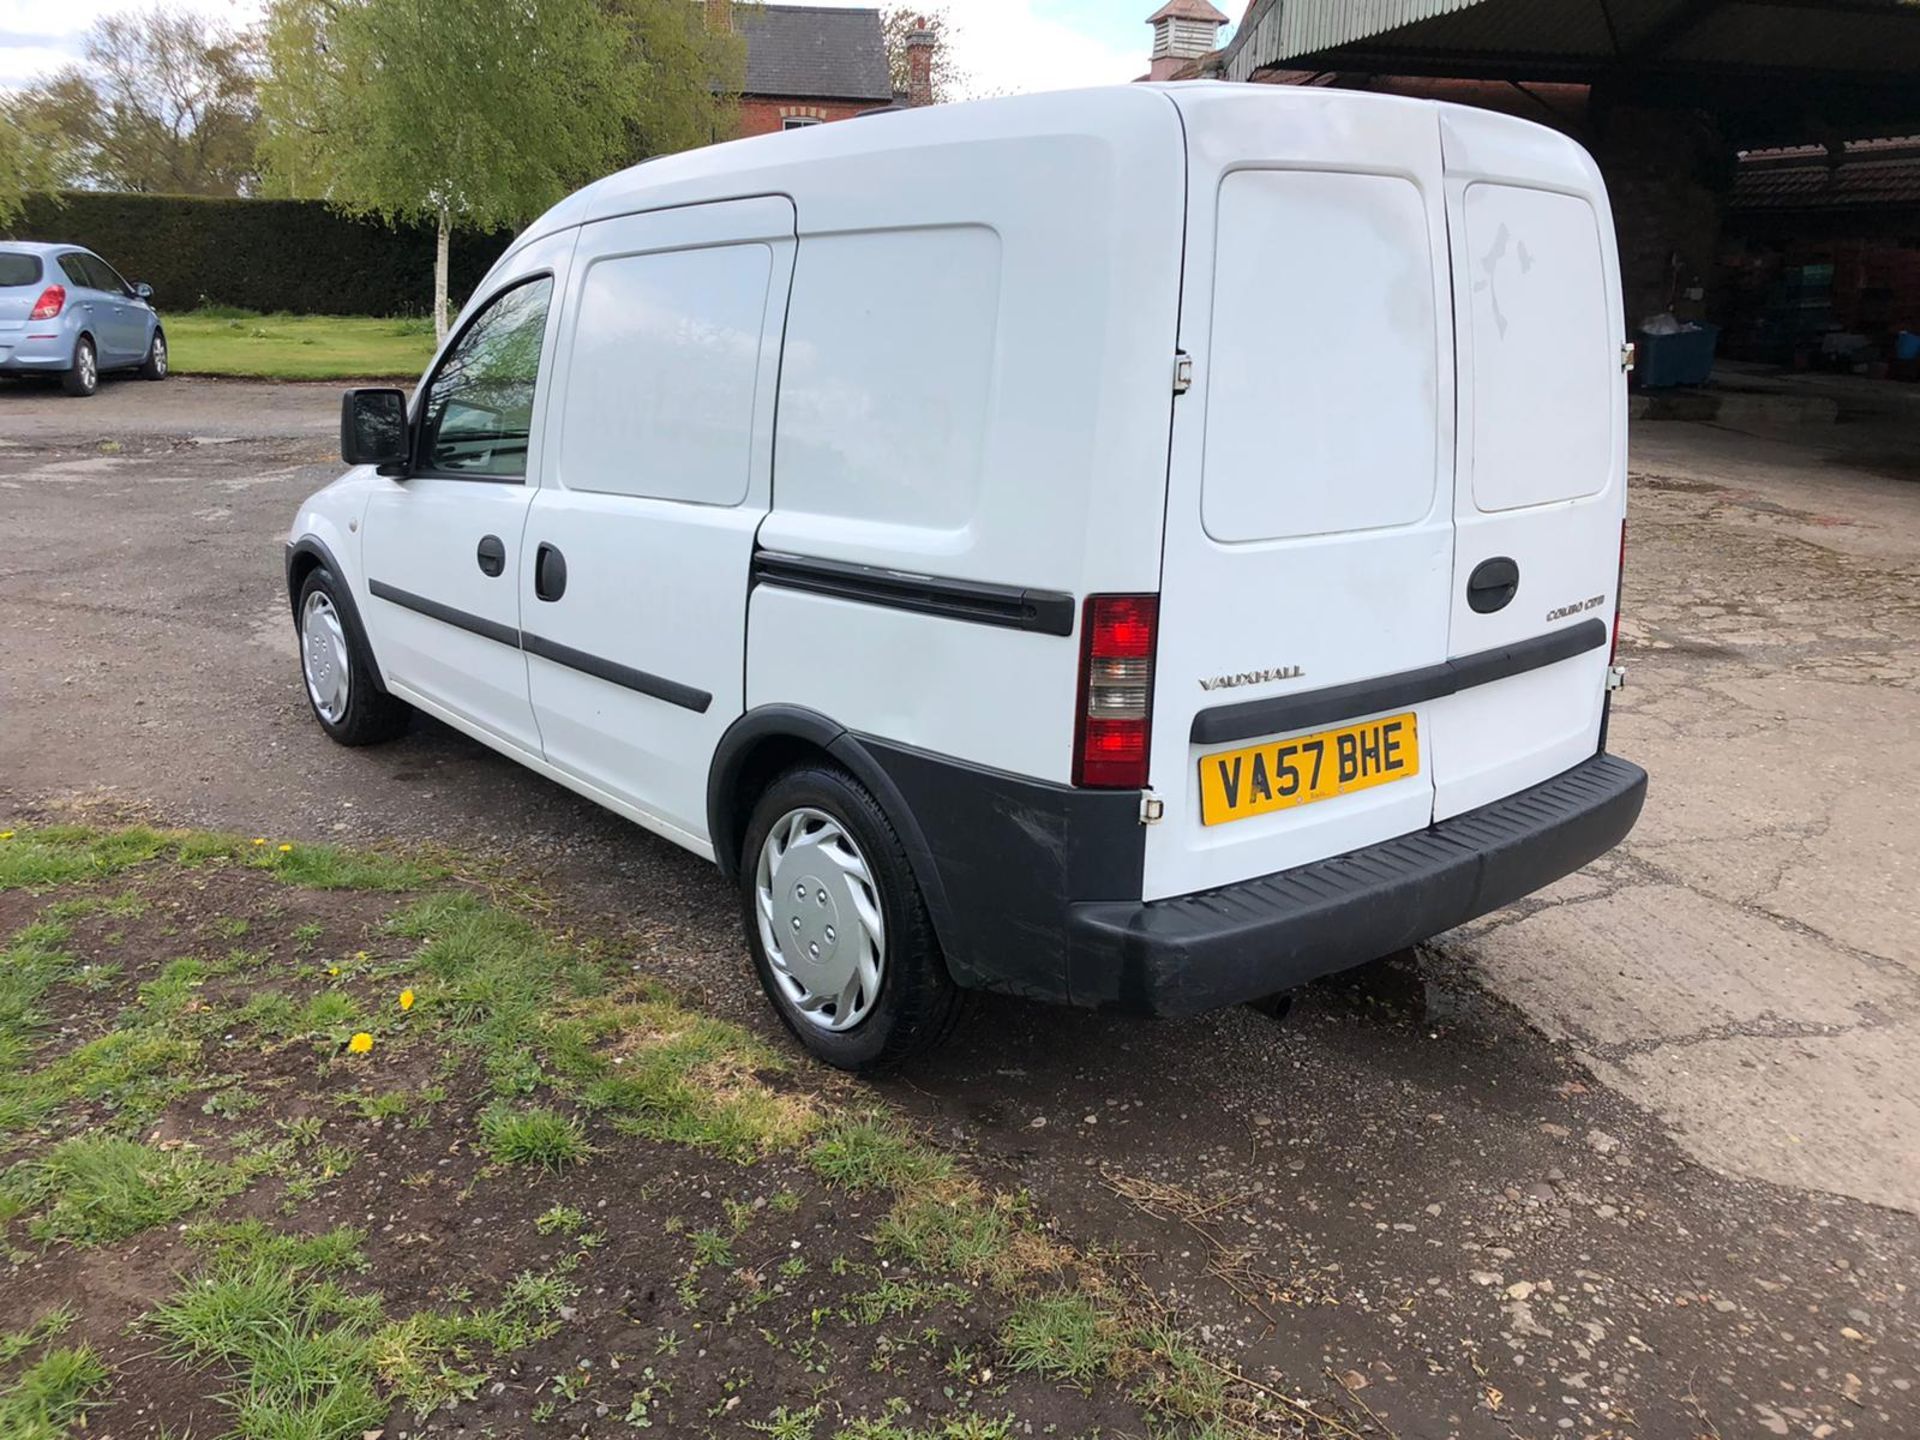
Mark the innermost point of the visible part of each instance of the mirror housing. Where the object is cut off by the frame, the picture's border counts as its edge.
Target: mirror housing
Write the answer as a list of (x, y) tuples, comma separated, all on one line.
[(373, 428), (143, 290)]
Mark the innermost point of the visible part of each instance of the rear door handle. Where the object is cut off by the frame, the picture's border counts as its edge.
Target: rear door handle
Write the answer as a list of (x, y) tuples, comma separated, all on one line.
[(1493, 583), (491, 554), (549, 573)]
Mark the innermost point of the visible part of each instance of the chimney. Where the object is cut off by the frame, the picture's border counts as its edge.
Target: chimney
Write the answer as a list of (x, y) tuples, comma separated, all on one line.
[(920, 45), (1183, 31), (720, 16)]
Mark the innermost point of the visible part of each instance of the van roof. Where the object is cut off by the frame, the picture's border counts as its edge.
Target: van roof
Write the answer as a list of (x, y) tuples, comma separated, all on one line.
[(838, 174)]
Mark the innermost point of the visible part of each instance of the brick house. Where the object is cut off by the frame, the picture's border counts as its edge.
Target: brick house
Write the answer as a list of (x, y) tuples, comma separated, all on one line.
[(807, 64)]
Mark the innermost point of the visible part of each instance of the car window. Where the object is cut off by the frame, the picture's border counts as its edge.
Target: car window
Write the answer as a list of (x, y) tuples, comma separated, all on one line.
[(18, 269), (105, 277), (75, 271), (478, 415)]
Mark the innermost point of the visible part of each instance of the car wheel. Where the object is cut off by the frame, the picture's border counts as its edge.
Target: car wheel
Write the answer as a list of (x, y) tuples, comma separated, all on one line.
[(838, 928), (338, 668), (154, 367), (83, 376)]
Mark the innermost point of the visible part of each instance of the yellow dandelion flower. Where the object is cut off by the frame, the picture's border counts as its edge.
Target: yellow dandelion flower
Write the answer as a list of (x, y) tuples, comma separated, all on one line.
[(333, 969), (6, 834), (406, 999), (286, 849), (259, 839), (361, 1043), (360, 955)]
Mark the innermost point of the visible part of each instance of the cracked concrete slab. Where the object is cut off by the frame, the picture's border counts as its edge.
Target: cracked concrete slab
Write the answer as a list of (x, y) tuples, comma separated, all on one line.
[(1653, 964), (1824, 1112)]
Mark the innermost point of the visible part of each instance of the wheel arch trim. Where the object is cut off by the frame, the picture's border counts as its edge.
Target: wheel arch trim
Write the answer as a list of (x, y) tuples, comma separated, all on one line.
[(303, 556), (774, 723)]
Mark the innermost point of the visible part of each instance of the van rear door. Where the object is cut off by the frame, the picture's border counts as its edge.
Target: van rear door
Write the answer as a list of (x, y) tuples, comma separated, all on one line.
[(1540, 487), (1310, 508)]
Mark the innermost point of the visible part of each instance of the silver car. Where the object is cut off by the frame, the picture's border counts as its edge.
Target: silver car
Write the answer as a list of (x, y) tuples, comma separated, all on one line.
[(64, 311)]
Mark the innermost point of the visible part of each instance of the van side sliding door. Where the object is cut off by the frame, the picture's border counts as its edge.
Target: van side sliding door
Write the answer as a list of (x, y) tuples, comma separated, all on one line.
[(635, 557)]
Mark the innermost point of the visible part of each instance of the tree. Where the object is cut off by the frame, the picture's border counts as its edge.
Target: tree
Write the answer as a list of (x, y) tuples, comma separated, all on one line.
[(29, 150), (164, 104), (950, 82), (479, 113)]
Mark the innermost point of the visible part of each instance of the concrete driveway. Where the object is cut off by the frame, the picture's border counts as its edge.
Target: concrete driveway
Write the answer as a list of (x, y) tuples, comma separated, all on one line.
[(1640, 1156)]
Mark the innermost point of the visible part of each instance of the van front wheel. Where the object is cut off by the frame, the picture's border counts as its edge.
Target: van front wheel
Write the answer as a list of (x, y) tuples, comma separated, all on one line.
[(838, 929)]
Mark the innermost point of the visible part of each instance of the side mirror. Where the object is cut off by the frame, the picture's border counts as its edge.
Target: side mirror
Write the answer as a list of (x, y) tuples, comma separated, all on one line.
[(143, 290), (373, 428)]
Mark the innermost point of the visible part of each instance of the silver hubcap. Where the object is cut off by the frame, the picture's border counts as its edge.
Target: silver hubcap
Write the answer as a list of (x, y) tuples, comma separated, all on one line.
[(323, 656), (820, 922), (88, 372), (159, 355)]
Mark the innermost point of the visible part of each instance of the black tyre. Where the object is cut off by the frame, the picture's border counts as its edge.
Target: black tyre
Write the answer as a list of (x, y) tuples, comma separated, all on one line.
[(154, 367), (82, 377), (838, 928), (337, 668)]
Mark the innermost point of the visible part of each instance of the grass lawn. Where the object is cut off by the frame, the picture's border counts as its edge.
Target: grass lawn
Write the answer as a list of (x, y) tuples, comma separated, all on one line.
[(358, 1141), (220, 341)]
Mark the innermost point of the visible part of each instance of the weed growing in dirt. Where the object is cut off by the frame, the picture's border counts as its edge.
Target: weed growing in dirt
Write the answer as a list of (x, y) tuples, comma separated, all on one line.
[(51, 1394), (50, 1326), (96, 1188), (310, 1357), (1063, 1336), (534, 1137)]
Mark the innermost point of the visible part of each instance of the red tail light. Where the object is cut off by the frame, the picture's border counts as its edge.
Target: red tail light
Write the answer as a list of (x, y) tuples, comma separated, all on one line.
[(52, 300), (1619, 587), (1116, 691)]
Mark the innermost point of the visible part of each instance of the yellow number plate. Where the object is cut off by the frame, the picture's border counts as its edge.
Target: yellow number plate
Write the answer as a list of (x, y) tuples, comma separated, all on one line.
[(1237, 783)]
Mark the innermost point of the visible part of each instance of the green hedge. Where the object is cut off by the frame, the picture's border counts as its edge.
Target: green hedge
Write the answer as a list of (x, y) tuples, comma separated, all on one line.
[(292, 255)]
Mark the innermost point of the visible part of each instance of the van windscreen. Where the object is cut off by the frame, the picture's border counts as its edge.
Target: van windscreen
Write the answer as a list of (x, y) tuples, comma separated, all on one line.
[(18, 268)]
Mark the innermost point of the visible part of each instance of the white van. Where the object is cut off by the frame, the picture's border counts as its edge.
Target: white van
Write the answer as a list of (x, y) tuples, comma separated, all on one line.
[(1140, 548)]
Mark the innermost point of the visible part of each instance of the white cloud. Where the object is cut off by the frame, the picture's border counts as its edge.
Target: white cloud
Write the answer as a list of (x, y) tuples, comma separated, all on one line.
[(1008, 46)]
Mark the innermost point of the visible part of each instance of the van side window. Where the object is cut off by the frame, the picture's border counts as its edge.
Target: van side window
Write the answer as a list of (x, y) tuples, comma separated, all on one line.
[(665, 363), (478, 414)]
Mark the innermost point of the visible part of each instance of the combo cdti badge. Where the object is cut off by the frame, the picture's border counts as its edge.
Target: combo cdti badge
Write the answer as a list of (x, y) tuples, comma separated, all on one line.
[(1141, 548)]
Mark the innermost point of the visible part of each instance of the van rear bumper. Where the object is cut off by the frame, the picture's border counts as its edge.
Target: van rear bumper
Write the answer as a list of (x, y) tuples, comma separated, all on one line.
[(1220, 947)]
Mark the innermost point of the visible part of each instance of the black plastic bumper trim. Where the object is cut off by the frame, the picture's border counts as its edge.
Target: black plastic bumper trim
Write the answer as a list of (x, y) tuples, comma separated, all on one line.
[(1198, 952), (671, 691), (1045, 612), (1279, 714)]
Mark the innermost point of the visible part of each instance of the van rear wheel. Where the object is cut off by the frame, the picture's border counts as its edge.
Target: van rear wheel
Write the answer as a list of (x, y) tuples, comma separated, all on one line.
[(837, 925)]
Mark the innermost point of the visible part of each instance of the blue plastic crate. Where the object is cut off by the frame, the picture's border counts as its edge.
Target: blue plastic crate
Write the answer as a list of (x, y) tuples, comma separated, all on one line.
[(1663, 361)]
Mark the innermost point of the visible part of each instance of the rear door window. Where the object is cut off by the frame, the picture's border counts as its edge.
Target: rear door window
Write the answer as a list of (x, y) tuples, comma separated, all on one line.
[(18, 269), (74, 268)]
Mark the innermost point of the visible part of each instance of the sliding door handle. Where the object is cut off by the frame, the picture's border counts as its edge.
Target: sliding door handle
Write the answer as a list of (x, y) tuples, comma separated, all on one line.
[(549, 573)]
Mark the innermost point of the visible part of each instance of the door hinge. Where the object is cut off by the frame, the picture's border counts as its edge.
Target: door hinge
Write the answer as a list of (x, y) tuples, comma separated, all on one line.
[(1629, 355), (1616, 677), (1152, 808), (1182, 372)]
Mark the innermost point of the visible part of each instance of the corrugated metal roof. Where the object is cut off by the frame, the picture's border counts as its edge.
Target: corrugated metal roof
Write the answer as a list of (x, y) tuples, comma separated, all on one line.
[(1836, 36), (811, 52), (1282, 29)]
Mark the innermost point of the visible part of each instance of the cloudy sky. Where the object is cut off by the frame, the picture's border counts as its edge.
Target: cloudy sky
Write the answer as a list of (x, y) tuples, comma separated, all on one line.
[(1007, 45)]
